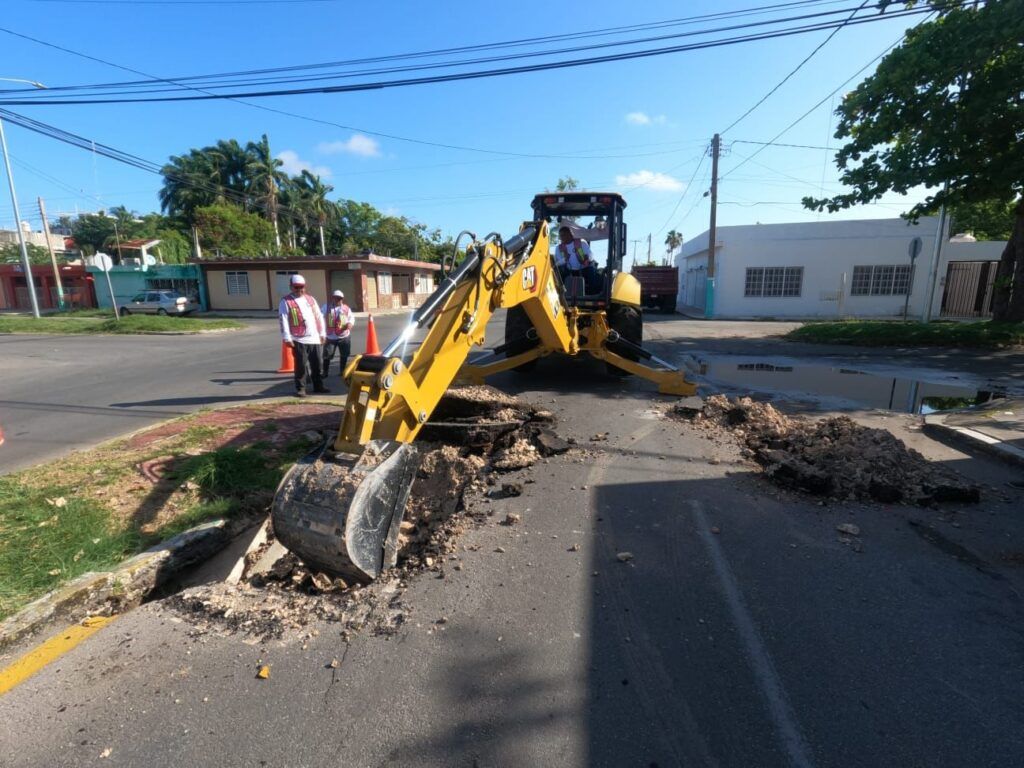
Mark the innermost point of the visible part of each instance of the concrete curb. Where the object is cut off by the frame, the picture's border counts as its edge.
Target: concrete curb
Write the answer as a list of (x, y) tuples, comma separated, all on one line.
[(125, 586), (972, 438)]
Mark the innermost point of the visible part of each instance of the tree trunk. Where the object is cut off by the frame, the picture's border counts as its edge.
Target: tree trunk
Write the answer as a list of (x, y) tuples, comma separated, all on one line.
[(323, 248), (1008, 301)]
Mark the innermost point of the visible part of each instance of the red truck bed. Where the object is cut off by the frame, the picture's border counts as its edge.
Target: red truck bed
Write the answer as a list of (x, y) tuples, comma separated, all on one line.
[(658, 286)]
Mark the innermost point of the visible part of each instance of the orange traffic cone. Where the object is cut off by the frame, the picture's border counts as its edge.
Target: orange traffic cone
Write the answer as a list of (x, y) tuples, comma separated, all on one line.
[(372, 347), (287, 358)]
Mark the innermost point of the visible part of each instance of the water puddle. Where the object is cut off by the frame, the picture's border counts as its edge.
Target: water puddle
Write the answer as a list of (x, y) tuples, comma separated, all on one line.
[(836, 387)]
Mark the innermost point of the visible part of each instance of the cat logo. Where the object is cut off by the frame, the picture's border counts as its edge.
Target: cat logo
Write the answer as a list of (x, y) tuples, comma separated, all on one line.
[(530, 279)]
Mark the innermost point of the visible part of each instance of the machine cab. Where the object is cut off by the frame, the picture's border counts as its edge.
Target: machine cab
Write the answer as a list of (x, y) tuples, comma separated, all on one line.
[(596, 218)]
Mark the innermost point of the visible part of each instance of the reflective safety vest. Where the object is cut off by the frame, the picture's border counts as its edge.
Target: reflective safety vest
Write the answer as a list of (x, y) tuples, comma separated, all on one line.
[(580, 255), (337, 319), (296, 322)]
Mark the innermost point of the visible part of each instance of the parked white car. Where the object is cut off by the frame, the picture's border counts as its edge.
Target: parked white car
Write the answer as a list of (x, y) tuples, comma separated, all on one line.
[(159, 303)]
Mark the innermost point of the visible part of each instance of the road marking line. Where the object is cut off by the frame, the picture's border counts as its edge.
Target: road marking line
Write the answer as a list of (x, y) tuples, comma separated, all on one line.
[(34, 660), (774, 694)]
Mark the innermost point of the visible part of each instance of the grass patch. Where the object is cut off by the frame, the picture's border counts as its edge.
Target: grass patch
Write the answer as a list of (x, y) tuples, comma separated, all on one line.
[(43, 545), (127, 325), (882, 333), (102, 511)]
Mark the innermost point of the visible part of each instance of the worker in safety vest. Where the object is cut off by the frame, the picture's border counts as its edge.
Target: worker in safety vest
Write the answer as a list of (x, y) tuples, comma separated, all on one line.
[(340, 319), (573, 257), (302, 326)]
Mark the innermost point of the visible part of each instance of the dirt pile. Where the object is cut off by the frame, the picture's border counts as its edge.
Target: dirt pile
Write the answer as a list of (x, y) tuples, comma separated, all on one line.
[(476, 433), (834, 457)]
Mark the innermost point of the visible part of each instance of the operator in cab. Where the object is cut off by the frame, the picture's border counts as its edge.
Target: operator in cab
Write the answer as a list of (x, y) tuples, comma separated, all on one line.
[(573, 257)]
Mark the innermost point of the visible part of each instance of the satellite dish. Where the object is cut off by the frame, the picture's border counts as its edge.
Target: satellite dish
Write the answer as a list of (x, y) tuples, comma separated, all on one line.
[(149, 259), (103, 261)]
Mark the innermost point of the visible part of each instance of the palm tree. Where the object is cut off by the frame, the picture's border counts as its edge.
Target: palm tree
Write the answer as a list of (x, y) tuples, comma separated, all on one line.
[(190, 181), (672, 241), (265, 178), (314, 202)]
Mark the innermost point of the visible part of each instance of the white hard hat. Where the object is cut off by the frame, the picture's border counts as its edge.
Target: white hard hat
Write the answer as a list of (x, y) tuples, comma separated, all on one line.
[(297, 280), (338, 295)]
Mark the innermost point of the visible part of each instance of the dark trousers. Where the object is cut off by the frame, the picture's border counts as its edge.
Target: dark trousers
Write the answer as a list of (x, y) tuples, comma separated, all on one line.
[(307, 355), (343, 347), (591, 280)]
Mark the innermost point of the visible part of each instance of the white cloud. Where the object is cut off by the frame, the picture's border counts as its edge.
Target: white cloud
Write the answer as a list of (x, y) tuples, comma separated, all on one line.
[(657, 181), (642, 118), (293, 165), (356, 144)]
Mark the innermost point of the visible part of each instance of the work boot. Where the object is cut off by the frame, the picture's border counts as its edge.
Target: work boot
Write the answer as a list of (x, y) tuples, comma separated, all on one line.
[(300, 393), (322, 391)]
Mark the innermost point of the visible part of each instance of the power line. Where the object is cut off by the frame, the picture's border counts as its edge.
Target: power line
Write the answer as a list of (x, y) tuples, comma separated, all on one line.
[(798, 67), (473, 75), (689, 186), (489, 47), (793, 124), (249, 81), (321, 121), (778, 144)]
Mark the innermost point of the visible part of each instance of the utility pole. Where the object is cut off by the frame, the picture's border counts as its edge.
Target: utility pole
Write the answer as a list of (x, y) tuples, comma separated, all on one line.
[(648, 247), (709, 297), (25, 263), (53, 256), (635, 244), (933, 268)]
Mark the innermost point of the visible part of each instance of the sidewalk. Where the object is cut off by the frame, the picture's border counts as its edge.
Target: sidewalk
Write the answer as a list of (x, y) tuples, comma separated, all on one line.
[(997, 427)]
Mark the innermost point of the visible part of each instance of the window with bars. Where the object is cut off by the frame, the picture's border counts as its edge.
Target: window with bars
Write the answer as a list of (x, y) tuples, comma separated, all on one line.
[(773, 281), (882, 280), (384, 282), (238, 283)]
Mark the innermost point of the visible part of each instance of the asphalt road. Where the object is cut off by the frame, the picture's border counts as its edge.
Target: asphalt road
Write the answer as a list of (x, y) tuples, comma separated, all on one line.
[(59, 394), (742, 633)]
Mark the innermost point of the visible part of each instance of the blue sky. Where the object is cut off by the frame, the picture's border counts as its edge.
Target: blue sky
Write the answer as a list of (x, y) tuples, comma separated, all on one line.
[(650, 119)]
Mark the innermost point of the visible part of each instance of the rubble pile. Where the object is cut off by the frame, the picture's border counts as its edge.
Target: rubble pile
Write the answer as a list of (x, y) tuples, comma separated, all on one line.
[(834, 457), (476, 433)]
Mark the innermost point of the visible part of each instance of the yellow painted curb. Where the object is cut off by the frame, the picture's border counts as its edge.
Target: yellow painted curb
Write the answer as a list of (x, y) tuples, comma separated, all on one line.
[(31, 662)]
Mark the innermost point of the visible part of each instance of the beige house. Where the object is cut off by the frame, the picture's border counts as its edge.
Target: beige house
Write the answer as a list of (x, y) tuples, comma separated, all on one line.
[(369, 281)]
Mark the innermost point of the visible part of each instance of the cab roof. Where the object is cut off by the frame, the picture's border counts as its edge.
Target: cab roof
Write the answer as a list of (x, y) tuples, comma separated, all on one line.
[(577, 203)]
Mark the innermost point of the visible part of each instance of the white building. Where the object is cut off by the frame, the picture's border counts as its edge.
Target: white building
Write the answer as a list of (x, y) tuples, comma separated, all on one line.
[(10, 237), (829, 269)]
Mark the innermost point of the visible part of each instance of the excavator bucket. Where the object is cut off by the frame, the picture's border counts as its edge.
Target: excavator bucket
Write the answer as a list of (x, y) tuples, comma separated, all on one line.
[(341, 513)]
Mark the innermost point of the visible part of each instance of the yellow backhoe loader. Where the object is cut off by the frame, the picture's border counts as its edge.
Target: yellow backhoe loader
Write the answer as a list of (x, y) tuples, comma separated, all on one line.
[(339, 509)]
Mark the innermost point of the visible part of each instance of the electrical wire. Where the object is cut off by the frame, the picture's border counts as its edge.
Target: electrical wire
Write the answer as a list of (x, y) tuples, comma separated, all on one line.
[(473, 75), (490, 47), (689, 186), (798, 67), (793, 124), (180, 83)]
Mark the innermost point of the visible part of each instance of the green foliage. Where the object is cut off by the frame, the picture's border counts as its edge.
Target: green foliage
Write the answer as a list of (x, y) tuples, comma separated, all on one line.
[(883, 333), (92, 232), (42, 545), (79, 324), (986, 220), (10, 253), (567, 184), (672, 241), (230, 231), (944, 106)]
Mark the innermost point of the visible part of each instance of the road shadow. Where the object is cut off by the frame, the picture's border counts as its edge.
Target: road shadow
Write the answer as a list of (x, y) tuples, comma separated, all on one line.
[(740, 630), (504, 696)]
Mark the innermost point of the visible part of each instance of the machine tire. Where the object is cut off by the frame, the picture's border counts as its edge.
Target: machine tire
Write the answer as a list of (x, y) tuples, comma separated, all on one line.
[(161, 311), (125, 312), (517, 325), (629, 322), (668, 305)]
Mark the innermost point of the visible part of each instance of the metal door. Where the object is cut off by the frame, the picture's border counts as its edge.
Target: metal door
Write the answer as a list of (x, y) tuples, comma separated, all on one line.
[(968, 289)]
